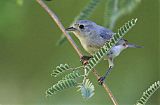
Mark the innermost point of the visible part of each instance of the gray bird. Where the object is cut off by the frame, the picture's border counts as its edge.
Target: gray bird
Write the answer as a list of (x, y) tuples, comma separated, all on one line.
[(93, 37)]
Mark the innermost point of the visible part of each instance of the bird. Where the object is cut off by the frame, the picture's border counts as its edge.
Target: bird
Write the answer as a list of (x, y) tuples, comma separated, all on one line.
[(93, 36)]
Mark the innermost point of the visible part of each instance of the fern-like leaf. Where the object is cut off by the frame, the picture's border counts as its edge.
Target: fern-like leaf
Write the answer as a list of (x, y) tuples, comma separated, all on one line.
[(87, 89), (72, 75), (104, 50), (88, 10), (111, 9), (60, 69), (84, 14), (114, 9), (127, 6), (148, 93), (64, 67), (61, 85)]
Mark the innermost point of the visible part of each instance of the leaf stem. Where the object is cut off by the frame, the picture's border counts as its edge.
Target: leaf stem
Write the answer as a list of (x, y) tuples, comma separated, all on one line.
[(56, 19)]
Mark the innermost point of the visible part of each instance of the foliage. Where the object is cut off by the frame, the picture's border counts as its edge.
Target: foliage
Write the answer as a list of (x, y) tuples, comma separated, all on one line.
[(114, 9), (61, 85), (60, 69), (68, 81), (72, 75), (87, 89), (88, 10), (148, 93)]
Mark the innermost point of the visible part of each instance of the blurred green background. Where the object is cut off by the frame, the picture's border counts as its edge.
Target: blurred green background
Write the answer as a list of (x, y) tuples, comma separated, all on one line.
[(28, 54)]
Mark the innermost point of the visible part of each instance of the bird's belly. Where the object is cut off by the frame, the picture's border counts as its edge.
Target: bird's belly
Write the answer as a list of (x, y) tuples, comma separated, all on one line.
[(90, 49), (91, 45)]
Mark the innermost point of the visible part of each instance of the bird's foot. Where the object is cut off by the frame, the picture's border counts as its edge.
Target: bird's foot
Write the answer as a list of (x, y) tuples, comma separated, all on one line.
[(84, 59), (101, 80)]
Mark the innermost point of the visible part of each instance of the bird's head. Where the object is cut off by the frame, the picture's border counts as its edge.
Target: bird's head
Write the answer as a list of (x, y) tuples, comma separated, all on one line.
[(82, 28)]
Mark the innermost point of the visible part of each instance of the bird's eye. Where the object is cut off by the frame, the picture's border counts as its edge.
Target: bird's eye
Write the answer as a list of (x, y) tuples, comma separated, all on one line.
[(81, 26), (124, 44)]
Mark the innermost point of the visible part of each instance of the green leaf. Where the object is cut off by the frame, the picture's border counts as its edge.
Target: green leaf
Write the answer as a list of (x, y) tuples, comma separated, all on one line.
[(87, 89), (114, 9), (148, 93), (60, 69), (65, 67), (73, 75), (61, 85)]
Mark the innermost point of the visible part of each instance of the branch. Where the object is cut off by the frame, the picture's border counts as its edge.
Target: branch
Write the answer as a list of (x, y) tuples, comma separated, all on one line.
[(55, 18)]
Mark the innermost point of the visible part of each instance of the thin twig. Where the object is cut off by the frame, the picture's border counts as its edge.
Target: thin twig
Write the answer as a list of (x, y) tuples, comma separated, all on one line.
[(106, 89), (55, 18)]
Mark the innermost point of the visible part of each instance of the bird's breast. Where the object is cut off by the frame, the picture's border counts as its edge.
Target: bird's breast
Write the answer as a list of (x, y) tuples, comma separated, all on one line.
[(90, 46)]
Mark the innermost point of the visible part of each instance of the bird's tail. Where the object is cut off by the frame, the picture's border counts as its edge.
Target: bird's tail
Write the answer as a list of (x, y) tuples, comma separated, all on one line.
[(130, 45)]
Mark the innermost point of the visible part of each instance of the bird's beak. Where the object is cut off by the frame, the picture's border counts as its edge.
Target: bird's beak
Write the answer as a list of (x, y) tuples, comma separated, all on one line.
[(70, 29)]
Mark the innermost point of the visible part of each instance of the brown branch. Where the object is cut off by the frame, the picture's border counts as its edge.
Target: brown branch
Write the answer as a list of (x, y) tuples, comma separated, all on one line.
[(55, 18), (106, 89)]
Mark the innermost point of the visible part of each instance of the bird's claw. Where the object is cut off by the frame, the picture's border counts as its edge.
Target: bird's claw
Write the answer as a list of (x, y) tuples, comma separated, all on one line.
[(101, 80), (84, 62), (84, 59)]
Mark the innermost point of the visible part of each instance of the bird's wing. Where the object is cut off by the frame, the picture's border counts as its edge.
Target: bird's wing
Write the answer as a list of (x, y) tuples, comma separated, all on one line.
[(105, 33)]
